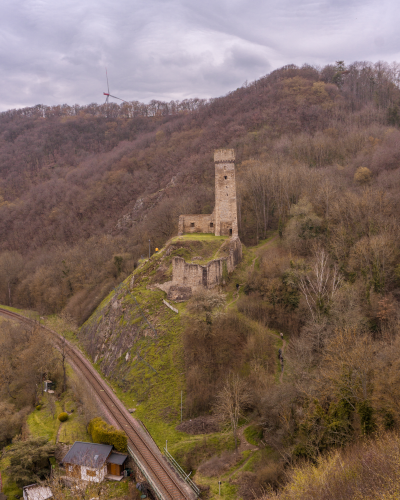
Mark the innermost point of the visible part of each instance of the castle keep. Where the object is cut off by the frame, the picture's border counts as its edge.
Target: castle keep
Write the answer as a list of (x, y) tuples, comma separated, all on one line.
[(223, 220), (186, 277)]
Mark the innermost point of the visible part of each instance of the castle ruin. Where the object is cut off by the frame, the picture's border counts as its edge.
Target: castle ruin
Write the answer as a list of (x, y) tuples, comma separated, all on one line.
[(223, 220), (186, 277)]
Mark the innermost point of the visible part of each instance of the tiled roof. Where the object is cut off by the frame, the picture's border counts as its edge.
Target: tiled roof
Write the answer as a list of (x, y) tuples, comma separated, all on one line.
[(88, 454)]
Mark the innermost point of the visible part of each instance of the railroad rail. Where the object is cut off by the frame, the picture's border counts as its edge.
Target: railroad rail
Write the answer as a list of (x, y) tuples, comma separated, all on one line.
[(163, 479)]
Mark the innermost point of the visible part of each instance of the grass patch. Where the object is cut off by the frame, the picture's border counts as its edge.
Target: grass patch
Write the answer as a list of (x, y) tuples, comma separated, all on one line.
[(74, 429), (117, 490), (23, 312), (228, 491), (253, 461), (190, 453), (41, 423), (199, 237), (253, 434)]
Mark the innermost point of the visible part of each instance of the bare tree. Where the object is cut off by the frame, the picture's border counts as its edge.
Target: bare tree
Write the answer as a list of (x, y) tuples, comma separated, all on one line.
[(318, 284), (231, 401)]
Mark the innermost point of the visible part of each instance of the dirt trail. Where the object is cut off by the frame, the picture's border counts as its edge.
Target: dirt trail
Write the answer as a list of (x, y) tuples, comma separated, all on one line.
[(58, 433), (244, 446)]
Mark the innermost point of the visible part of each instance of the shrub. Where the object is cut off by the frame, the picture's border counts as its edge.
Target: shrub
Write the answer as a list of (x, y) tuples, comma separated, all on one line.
[(363, 175), (62, 417), (104, 433), (39, 407)]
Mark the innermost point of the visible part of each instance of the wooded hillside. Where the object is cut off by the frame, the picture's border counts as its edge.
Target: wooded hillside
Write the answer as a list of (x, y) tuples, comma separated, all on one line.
[(82, 189)]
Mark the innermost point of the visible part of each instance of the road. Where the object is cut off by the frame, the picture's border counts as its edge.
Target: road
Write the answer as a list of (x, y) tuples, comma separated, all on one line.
[(163, 479)]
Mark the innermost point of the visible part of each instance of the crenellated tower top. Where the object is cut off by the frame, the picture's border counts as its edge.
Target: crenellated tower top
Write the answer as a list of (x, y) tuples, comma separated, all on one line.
[(224, 156)]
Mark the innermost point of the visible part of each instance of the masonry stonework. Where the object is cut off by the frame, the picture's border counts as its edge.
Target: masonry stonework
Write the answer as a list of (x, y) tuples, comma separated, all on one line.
[(223, 220), (187, 277)]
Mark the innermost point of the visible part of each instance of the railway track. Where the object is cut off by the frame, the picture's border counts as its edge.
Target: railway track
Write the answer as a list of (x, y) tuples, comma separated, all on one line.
[(163, 479)]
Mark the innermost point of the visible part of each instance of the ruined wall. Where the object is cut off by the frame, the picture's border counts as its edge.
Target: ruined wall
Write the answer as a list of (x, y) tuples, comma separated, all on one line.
[(235, 253), (195, 275), (186, 277), (202, 223)]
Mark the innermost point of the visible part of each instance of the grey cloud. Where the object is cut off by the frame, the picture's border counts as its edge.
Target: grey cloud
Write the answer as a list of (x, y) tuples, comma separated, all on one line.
[(55, 52)]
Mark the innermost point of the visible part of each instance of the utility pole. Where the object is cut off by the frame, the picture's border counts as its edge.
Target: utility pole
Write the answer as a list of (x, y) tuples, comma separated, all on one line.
[(149, 248)]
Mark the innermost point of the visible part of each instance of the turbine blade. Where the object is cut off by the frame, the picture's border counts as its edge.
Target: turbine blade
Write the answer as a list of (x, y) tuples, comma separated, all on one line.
[(108, 87), (118, 98)]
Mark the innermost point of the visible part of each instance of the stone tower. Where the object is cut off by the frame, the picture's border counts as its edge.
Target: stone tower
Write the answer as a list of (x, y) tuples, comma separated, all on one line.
[(223, 220), (225, 211)]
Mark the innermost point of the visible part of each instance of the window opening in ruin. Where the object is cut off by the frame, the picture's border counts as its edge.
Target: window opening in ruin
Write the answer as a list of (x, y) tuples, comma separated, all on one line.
[(211, 224), (230, 232), (192, 224), (225, 176)]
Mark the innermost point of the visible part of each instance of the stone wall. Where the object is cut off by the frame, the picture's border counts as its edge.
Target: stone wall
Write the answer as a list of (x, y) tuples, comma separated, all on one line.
[(196, 224), (196, 275), (187, 277)]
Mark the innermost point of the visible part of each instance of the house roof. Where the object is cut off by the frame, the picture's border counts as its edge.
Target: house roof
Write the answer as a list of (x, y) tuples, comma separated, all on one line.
[(88, 454), (36, 492), (117, 458)]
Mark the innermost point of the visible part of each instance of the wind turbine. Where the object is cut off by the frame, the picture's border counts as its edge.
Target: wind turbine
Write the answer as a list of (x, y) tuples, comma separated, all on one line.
[(107, 94)]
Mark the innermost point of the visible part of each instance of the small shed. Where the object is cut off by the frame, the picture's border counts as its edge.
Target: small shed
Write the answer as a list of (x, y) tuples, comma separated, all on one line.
[(36, 492), (48, 386), (115, 464), (94, 462)]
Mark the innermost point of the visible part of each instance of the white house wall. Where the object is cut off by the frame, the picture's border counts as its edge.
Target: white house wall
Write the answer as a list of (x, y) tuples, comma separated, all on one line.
[(100, 474)]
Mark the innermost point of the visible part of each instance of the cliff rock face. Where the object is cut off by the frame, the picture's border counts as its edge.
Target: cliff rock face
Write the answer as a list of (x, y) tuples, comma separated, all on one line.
[(135, 338), (112, 332)]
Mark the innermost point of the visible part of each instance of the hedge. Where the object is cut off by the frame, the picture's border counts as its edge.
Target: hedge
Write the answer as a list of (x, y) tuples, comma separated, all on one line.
[(104, 433)]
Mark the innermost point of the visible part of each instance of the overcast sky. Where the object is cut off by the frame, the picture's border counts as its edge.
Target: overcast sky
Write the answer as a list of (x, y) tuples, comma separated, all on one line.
[(56, 51)]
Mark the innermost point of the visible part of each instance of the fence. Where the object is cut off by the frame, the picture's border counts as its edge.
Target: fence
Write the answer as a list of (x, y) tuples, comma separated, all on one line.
[(181, 472)]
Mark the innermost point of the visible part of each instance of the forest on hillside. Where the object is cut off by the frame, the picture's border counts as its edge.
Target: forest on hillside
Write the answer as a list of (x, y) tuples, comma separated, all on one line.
[(82, 189)]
